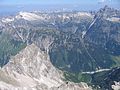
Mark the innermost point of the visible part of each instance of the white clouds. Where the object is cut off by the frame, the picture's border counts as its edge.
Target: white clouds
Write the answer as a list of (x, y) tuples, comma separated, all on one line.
[(102, 1)]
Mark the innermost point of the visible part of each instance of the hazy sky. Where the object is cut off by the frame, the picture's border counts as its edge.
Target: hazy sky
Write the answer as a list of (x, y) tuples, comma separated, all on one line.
[(31, 5), (14, 2)]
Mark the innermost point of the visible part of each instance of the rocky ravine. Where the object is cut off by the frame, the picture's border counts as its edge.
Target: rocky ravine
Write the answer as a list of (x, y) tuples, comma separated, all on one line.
[(31, 69)]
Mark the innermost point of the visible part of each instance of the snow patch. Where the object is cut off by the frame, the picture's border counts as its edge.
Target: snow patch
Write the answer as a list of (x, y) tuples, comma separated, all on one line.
[(83, 34), (29, 16), (101, 70), (92, 23), (7, 20), (114, 19), (84, 14)]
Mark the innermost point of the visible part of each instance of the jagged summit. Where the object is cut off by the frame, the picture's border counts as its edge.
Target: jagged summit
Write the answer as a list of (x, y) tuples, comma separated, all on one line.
[(106, 7), (31, 69), (33, 62), (107, 12)]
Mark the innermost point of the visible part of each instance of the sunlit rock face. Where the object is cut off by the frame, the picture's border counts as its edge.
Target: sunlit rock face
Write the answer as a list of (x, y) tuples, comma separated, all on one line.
[(72, 86), (116, 86), (31, 69)]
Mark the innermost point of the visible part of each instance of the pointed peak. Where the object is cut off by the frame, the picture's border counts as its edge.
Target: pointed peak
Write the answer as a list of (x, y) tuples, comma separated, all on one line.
[(106, 12), (32, 46), (106, 7), (29, 54)]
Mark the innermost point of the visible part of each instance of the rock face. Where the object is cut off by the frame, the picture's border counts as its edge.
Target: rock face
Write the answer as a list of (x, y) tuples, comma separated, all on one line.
[(116, 86), (105, 30), (31, 69), (72, 86)]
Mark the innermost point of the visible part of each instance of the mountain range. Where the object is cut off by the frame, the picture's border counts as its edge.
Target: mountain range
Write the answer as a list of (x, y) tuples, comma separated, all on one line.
[(51, 48)]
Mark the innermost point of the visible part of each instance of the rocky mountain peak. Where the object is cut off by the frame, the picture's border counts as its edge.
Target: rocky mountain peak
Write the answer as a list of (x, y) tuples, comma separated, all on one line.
[(32, 66), (31, 69), (106, 7), (107, 12)]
